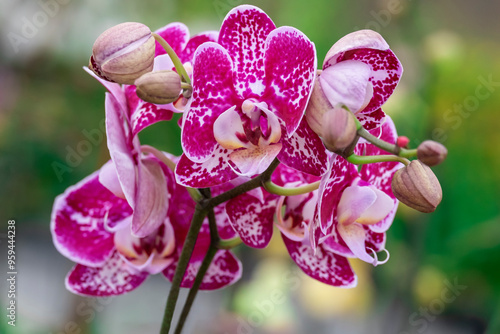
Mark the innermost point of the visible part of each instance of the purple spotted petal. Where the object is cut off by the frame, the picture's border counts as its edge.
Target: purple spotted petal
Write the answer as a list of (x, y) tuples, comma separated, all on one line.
[(212, 172), (324, 266), (341, 175), (362, 39), (226, 230), (304, 151), (386, 72), (372, 119), (290, 65), (122, 149), (212, 95), (195, 41), (243, 34), (78, 218), (111, 279), (151, 202), (375, 241), (144, 114), (176, 34), (252, 220)]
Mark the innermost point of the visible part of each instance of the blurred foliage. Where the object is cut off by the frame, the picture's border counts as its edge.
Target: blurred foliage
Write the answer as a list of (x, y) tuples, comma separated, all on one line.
[(48, 104)]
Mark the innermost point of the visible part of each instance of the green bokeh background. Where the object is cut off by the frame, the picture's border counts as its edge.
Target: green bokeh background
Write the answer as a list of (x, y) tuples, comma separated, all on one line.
[(449, 49)]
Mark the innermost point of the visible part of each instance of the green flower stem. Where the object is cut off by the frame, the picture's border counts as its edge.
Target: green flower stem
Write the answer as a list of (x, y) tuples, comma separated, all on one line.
[(187, 250), (382, 144), (175, 59), (207, 260), (282, 191), (194, 193), (229, 243), (369, 159), (245, 187)]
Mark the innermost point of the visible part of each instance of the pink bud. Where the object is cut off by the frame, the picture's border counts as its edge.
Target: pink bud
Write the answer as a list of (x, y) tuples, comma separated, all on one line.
[(338, 129)]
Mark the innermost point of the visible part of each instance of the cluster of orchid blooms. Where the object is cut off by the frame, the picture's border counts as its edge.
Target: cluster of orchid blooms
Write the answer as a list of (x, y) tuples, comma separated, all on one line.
[(268, 140)]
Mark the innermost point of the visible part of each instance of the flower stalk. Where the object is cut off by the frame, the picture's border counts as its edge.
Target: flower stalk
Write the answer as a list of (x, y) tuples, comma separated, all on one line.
[(175, 59)]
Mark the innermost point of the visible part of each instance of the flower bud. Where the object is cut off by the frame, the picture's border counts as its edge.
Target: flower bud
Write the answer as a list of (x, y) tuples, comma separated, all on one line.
[(338, 129), (416, 186), (431, 153), (123, 53), (317, 106), (160, 87)]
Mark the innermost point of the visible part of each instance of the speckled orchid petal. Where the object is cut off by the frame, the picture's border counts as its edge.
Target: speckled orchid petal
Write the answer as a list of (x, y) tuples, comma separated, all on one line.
[(194, 42), (176, 34), (212, 92), (151, 198), (243, 34), (144, 114), (304, 151), (374, 240), (372, 119), (341, 174), (206, 174), (386, 72), (347, 83), (252, 219), (254, 160), (361, 39), (354, 236), (122, 149), (322, 265), (290, 68), (78, 219), (111, 279)]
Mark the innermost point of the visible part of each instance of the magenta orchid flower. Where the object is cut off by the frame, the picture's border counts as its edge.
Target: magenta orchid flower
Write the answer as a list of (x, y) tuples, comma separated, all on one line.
[(91, 226), (356, 208), (249, 95), (361, 72)]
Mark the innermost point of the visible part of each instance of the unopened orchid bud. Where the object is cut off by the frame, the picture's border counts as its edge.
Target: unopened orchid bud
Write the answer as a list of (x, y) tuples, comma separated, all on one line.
[(160, 87), (431, 153), (338, 129), (317, 106), (416, 186), (123, 53)]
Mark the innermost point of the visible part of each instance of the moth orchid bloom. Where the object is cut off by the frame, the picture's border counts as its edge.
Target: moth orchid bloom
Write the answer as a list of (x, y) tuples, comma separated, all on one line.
[(91, 226), (356, 208), (295, 222), (249, 95), (360, 72)]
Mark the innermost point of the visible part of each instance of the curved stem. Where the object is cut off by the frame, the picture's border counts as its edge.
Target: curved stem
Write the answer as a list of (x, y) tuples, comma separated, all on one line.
[(282, 191), (194, 193), (369, 159), (207, 260), (187, 250), (247, 186), (173, 56), (382, 144)]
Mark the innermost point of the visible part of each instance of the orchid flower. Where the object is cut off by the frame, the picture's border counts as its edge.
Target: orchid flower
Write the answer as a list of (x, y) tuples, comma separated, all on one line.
[(294, 224), (356, 208), (249, 95), (360, 72), (91, 226)]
